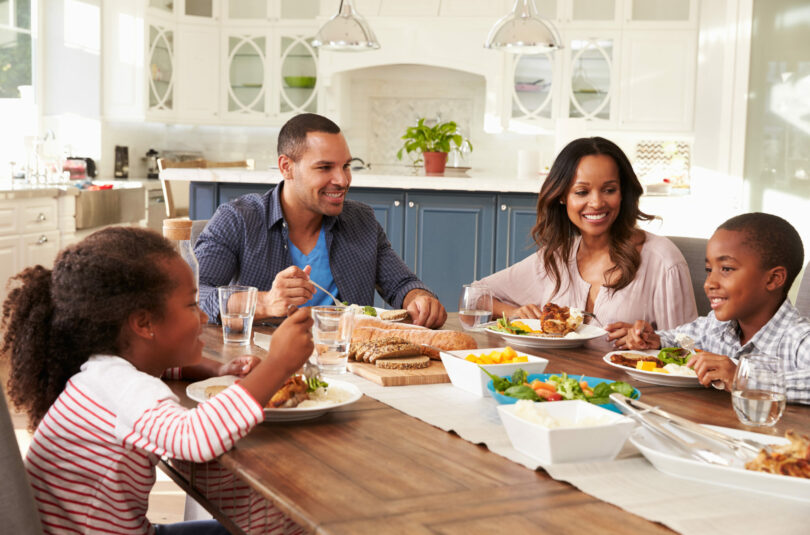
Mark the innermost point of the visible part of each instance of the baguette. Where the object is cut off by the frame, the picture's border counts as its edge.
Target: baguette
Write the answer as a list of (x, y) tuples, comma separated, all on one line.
[(443, 340), (380, 324)]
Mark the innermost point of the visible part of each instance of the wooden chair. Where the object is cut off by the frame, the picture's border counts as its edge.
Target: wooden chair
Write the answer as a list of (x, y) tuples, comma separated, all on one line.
[(18, 510), (694, 251), (197, 226), (803, 297), (167, 185)]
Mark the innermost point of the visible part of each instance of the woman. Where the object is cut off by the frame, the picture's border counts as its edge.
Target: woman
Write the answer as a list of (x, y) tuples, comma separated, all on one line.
[(591, 254)]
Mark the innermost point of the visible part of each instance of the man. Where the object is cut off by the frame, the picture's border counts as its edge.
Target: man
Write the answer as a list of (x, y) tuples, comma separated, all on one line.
[(304, 229)]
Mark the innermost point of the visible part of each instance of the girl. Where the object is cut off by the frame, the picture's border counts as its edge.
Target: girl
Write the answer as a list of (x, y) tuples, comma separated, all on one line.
[(88, 342), (591, 253)]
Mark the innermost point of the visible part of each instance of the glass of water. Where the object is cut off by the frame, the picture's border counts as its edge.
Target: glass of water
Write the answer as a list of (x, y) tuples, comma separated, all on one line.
[(237, 304), (332, 334), (758, 390), (474, 306)]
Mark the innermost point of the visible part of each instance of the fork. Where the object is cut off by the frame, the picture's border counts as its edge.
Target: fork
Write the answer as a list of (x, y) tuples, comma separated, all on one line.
[(335, 299), (309, 369), (686, 342), (592, 315)]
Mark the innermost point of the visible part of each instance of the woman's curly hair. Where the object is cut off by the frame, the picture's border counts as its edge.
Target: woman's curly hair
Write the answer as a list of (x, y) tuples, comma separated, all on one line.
[(54, 320), (554, 233)]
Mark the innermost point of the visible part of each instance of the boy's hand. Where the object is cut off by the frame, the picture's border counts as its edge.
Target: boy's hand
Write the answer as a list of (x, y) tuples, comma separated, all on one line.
[(711, 367), (239, 366), (292, 344), (639, 335)]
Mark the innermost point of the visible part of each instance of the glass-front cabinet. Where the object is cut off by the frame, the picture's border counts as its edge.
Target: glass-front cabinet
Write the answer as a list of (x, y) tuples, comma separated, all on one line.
[(533, 80), (161, 70), (590, 78), (298, 74), (246, 71)]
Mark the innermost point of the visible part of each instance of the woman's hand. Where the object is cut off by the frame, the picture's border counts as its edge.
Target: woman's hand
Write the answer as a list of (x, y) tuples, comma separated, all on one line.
[(639, 335), (240, 366), (526, 311), (711, 367)]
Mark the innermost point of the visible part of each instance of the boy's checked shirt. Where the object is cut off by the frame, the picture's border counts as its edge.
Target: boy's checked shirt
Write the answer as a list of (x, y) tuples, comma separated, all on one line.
[(786, 335)]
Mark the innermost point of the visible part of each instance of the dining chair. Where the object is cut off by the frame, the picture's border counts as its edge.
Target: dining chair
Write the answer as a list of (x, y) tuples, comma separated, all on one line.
[(803, 297), (18, 509), (168, 185), (694, 251), (197, 226)]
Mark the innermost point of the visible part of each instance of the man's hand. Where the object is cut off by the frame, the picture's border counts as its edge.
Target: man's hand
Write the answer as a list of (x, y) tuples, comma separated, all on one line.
[(424, 308), (711, 367), (639, 335), (290, 287)]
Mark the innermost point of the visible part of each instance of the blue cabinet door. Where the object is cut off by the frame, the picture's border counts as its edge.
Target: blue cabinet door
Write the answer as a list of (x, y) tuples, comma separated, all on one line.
[(517, 214), (202, 200), (449, 240), (389, 209)]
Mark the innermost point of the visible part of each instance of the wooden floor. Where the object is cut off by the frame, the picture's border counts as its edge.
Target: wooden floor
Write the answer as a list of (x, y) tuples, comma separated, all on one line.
[(166, 501)]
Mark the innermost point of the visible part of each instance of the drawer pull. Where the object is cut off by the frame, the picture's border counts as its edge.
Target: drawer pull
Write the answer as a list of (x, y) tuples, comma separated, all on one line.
[(42, 239), (503, 208), (41, 217), (396, 203), (410, 203)]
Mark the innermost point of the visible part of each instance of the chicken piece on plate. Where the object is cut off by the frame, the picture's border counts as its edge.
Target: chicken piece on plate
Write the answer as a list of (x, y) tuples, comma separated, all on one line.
[(291, 393)]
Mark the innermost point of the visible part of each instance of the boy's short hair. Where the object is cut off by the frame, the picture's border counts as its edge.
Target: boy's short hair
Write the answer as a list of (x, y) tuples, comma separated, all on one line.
[(292, 138), (775, 241)]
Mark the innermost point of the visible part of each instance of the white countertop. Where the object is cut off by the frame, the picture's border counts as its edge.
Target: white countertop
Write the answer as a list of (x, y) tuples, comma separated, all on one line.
[(22, 190), (394, 177)]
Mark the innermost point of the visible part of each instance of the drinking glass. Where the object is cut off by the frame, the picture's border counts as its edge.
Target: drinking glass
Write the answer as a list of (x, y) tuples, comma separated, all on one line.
[(758, 390), (332, 333), (237, 304), (474, 306)]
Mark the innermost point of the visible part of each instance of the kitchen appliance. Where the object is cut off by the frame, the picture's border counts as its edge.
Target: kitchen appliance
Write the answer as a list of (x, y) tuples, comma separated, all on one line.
[(121, 161), (79, 168), (152, 170)]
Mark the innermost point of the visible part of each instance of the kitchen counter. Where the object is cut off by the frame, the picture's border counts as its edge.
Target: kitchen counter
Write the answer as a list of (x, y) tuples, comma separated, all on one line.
[(21, 190), (385, 177)]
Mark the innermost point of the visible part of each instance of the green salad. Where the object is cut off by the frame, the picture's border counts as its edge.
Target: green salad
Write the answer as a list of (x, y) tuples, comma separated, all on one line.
[(557, 388)]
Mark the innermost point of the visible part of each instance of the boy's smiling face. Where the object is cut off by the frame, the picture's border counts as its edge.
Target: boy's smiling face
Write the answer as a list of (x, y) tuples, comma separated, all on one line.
[(737, 285)]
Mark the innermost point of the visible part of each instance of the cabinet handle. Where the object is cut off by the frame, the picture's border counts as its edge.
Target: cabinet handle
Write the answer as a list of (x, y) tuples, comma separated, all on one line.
[(503, 208), (42, 239), (397, 203), (411, 204), (41, 217)]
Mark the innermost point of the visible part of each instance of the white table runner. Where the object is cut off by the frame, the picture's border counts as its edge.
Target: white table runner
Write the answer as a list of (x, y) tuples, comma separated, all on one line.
[(629, 482)]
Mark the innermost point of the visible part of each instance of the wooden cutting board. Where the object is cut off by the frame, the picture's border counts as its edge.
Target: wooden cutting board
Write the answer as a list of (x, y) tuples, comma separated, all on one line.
[(435, 373)]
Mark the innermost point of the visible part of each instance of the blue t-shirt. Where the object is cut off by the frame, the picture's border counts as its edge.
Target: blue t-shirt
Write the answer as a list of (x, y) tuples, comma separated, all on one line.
[(321, 273)]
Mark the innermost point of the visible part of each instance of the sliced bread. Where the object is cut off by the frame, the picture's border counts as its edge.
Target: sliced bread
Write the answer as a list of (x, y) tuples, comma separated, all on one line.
[(403, 363)]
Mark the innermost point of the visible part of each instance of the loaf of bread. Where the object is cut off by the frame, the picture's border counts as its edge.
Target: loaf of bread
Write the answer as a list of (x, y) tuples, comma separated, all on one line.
[(367, 321), (446, 340)]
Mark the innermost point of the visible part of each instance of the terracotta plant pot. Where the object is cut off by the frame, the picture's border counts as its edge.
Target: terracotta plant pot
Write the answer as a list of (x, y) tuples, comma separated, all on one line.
[(434, 162)]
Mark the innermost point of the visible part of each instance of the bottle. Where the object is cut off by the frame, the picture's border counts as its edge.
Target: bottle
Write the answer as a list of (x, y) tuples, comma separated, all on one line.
[(178, 230)]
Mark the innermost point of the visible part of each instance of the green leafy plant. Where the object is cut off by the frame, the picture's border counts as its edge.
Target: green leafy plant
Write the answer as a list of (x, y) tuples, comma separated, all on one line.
[(443, 137)]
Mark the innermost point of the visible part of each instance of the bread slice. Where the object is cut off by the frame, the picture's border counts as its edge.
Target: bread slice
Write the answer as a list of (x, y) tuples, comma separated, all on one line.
[(393, 350), (213, 390), (393, 315), (403, 363)]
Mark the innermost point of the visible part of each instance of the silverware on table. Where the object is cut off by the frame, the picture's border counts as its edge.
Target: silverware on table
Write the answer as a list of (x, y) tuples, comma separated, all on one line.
[(686, 342), (334, 299)]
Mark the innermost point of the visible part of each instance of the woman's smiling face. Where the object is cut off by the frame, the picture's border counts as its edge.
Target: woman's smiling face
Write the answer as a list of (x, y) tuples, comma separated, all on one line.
[(594, 199)]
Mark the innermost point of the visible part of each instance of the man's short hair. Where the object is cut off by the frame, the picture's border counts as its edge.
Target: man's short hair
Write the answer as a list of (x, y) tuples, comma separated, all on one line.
[(292, 139), (772, 238)]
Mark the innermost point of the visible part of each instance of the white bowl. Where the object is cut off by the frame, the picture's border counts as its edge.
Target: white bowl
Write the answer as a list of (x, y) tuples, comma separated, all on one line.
[(468, 376), (600, 442)]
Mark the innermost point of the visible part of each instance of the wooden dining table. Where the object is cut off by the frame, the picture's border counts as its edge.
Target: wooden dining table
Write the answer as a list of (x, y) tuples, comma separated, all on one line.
[(369, 468)]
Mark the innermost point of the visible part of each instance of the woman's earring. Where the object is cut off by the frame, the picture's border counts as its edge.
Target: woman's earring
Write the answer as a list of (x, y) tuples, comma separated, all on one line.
[(152, 335), (562, 201)]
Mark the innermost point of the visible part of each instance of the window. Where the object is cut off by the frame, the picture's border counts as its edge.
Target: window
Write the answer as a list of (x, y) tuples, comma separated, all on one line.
[(16, 57)]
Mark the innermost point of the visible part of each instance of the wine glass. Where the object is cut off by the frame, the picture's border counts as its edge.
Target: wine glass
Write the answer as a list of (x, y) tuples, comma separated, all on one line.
[(758, 390), (474, 306)]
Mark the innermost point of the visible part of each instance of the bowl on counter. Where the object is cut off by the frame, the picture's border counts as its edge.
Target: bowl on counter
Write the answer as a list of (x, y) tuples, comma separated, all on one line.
[(468, 376), (586, 432), (300, 81)]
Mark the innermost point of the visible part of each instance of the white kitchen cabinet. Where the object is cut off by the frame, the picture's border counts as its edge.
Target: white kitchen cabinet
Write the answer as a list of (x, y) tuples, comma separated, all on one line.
[(197, 67), (658, 80), (295, 72), (534, 86), (590, 81), (122, 50), (662, 14), (9, 261), (160, 70), (245, 73)]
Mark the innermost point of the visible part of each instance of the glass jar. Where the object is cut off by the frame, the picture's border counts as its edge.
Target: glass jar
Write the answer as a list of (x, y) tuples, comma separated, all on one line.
[(178, 231)]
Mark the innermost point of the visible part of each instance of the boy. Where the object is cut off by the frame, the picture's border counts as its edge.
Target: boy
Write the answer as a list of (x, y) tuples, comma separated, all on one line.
[(751, 263)]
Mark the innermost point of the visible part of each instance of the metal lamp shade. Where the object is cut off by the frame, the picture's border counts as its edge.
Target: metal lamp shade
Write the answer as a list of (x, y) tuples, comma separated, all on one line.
[(522, 31), (346, 31)]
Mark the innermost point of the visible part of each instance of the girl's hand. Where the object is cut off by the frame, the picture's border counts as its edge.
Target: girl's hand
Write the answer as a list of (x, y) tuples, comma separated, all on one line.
[(292, 344), (240, 366), (711, 367)]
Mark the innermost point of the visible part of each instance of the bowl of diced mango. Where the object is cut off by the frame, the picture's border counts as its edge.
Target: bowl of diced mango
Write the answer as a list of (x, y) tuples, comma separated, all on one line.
[(464, 366)]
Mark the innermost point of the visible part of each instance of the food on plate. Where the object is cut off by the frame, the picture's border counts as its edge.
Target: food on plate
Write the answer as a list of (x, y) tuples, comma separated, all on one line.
[(294, 391), (367, 310), (403, 363), (670, 360), (557, 387), (213, 390), (388, 347), (791, 459), (369, 329), (555, 321), (507, 356), (394, 315), (536, 414)]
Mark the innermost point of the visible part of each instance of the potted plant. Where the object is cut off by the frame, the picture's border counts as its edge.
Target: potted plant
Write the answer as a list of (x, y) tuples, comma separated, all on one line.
[(433, 143)]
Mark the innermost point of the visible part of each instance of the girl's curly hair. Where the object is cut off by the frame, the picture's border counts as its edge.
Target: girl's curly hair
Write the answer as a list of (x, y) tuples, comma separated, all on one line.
[(554, 233), (54, 320)]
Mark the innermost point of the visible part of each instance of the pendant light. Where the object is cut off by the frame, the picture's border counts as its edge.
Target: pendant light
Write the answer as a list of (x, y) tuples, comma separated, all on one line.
[(522, 31), (346, 31)]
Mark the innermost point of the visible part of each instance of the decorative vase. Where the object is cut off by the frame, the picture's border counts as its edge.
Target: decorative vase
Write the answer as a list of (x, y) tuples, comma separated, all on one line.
[(434, 162)]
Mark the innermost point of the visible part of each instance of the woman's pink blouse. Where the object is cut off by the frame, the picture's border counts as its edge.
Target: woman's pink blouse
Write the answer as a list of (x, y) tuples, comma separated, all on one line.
[(661, 292)]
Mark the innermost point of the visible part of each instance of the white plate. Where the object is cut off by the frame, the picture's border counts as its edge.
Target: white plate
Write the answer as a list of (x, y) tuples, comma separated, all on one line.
[(196, 391), (655, 378), (584, 333), (670, 460)]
